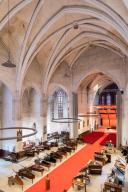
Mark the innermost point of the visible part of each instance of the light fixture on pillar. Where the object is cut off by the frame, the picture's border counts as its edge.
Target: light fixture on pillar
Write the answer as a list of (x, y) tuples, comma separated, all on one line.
[(8, 63)]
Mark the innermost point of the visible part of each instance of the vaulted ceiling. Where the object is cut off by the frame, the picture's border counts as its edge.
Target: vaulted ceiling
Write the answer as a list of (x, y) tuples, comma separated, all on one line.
[(48, 32)]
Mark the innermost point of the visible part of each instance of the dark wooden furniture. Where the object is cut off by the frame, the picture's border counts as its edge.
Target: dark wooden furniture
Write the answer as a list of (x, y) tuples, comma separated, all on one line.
[(12, 180), (38, 168), (100, 157), (40, 148), (50, 159), (43, 163), (124, 150), (56, 155), (54, 144), (25, 172), (46, 146), (18, 155), (95, 168), (112, 186), (4, 153), (103, 156)]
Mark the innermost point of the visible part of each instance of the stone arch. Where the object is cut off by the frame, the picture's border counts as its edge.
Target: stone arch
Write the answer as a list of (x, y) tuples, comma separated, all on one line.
[(54, 86), (32, 85), (91, 96), (94, 71)]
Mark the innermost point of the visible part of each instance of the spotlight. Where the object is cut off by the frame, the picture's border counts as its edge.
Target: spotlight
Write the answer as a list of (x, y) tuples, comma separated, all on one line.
[(75, 26)]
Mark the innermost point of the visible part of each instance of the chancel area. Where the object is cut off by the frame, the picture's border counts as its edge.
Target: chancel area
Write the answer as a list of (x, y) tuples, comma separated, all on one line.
[(64, 95)]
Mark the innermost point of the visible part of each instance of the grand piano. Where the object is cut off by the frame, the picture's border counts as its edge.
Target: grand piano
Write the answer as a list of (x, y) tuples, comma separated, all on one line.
[(46, 146), (37, 167), (50, 159), (100, 157), (43, 163), (103, 156), (95, 167), (56, 155), (71, 143), (65, 149), (40, 148), (54, 144), (124, 150), (26, 172), (62, 151)]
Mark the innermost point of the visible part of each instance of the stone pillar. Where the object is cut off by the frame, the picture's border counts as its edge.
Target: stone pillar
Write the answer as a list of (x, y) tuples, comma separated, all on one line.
[(82, 109), (7, 118), (16, 110), (73, 113), (125, 120), (16, 117), (120, 111), (43, 116)]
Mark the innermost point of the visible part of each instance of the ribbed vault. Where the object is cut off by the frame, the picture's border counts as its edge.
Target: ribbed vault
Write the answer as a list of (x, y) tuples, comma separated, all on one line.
[(51, 32)]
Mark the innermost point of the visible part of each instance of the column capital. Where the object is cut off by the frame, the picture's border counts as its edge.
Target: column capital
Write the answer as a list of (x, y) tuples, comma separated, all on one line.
[(17, 94)]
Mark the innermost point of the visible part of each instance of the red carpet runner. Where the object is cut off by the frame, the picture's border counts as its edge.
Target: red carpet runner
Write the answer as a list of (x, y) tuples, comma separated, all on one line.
[(61, 177), (92, 137), (110, 136)]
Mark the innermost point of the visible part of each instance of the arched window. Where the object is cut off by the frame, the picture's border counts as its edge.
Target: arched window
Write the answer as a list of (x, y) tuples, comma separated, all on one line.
[(58, 104)]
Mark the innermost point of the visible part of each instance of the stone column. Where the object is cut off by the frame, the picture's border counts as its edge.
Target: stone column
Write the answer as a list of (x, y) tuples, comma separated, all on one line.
[(82, 109), (125, 120), (73, 113), (120, 111), (16, 110), (16, 117), (43, 115)]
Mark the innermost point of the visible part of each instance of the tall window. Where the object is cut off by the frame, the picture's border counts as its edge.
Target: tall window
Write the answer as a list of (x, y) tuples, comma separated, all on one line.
[(58, 104), (52, 108), (60, 97)]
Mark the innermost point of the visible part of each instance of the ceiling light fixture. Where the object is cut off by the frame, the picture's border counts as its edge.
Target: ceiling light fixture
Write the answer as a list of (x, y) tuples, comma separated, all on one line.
[(33, 132), (68, 74), (75, 25)]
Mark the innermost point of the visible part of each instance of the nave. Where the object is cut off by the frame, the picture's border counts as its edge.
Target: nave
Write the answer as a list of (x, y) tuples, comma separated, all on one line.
[(70, 166), (63, 85), (28, 186)]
